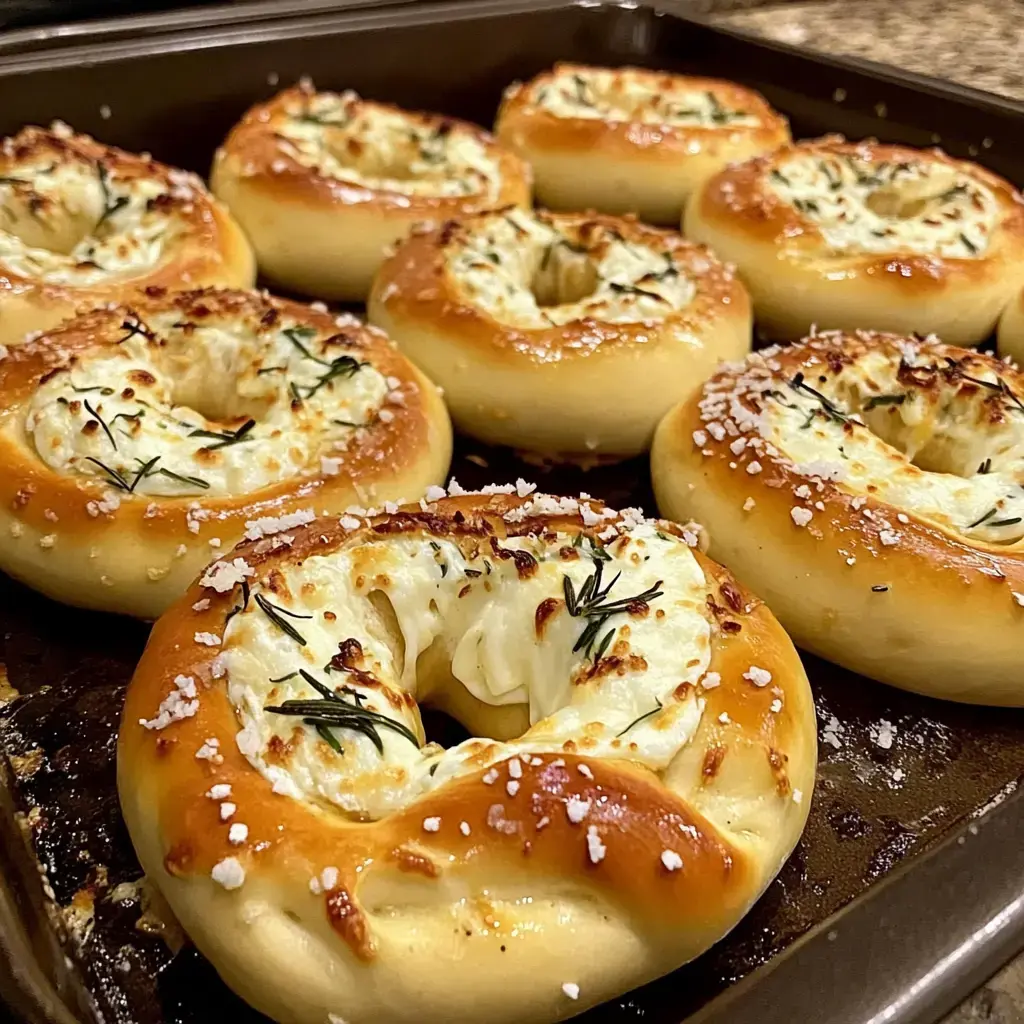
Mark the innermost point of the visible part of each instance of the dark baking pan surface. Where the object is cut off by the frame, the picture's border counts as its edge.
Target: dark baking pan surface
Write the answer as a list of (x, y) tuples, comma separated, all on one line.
[(898, 774)]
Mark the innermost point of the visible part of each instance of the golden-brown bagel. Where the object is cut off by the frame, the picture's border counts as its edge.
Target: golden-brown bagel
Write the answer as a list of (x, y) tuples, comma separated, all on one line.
[(1010, 335), (869, 487), (85, 224), (565, 334), (635, 792), (324, 183), (629, 140), (138, 442), (863, 235)]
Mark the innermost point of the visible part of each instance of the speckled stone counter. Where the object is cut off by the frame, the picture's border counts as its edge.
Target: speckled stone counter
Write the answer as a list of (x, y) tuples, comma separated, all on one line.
[(979, 43), (975, 42)]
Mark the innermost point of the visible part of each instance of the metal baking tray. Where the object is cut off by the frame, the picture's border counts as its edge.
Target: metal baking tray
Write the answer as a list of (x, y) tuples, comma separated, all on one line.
[(904, 893)]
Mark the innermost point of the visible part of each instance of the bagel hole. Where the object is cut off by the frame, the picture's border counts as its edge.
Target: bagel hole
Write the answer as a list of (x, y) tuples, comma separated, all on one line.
[(41, 223), (564, 275), (910, 197)]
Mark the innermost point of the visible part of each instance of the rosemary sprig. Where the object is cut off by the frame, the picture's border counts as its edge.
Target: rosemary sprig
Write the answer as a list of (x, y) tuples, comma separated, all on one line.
[(96, 387), (832, 411), (182, 479), (778, 176), (103, 423), (806, 205), (592, 603), (647, 714), (115, 477), (1013, 521), (298, 336), (308, 117), (632, 289), (876, 400), (968, 244), (342, 366), (985, 467), (276, 615), (332, 710), (111, 203), (984, 519), (241, 608), (226, 437)]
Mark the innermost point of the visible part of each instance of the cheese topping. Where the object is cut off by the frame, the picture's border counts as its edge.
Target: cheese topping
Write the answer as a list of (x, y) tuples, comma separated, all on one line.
[(71, 218), (860, 202), (929, 429), (386, 149), (534, 270), (343, 634), (221, 407), (631, 95)]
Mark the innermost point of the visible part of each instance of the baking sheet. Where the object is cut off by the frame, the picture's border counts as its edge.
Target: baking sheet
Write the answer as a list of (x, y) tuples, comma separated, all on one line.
[(896, 771)]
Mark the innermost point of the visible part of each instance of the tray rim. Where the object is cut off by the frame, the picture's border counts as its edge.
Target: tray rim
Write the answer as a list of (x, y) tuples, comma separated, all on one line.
[(986, 944)]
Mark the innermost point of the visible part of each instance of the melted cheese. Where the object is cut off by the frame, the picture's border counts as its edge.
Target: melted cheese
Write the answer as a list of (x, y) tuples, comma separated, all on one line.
[(862, 203), (140, 401), (403, 595), (69, 221), (384, 149), (638, 97), (906, 428), (498, 260)]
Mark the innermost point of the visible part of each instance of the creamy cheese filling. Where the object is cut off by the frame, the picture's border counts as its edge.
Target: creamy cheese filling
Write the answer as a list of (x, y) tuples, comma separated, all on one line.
[(862, 203), (341, 137), (69, 221), (215, 408), (527, 270), (352, 631), (631, 96), (912, 427)]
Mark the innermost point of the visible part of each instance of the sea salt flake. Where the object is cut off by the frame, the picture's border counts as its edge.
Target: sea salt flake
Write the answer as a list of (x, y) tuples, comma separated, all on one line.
[(671, 860), (431, 824), (758, 676), (711, 680), (224, 576), (238, 833), (209, 639), (801, 516), (182, 702), (229, 873), (596, 849), (576, 809)]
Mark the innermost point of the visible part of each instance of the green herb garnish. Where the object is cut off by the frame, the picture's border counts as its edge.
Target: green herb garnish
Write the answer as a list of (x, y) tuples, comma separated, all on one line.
[(276, 615)]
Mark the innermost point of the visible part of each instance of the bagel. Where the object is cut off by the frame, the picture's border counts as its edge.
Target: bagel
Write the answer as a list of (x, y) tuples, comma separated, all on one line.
[(869, 488), (564, 334), (324, 183), (1010, 335), (647, 766), (841, 235), (83, 224), (629, 140), (138, 442)]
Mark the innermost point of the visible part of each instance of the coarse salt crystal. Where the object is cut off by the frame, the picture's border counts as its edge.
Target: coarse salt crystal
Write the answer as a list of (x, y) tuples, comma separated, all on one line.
[(889, 537), (585, 771), (754, 467), (219, 792), (328, 878), (224, 576), (431, 824), (329, 467), (202, 605), (798, 796), (758, 676), (801, 516), (515, 768), (776, 705), (209, 639), (266, 526), (238, 833), (349, 523), (490, 777), (209, 751), (576, 809), (571, 989), (700, 438), (227, 809), (464, 828), (724, 718), (512, 787), (671, 860), (1018, 597), (182, 702), (229, 873), (595, 848), (749, 504)]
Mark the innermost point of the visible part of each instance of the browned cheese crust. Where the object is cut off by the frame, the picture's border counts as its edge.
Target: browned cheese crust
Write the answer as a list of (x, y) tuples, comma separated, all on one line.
[(62, 191), (94, 541), (446, 909), (637, 149), (868, 487), (322, 210), (833, 234)]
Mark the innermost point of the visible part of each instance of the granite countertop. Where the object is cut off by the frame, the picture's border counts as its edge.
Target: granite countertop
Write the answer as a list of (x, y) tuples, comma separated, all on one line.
[(979, 43)]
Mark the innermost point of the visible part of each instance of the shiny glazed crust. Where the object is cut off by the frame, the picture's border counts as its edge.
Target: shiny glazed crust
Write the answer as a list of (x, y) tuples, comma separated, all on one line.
[(872, 587), (1010, 335), (583, 389), (798, 282), (212, 249), (439, 924), (322, 236), (617, 166), (138, 557)]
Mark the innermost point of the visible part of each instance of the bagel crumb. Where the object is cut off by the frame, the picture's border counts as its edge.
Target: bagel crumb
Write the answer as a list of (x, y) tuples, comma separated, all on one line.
[(596, 849), (571, 989), (238, 833), (228, 873), (431, 824), (671, 860)]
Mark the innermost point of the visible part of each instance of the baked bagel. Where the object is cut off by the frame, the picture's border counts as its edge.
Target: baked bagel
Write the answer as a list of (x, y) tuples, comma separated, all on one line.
[(843, 235), (647, 766), (324, 183), (871, 488), (138, 442), (83, 224), (1010, 335), (632, 141), (565, 334)]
